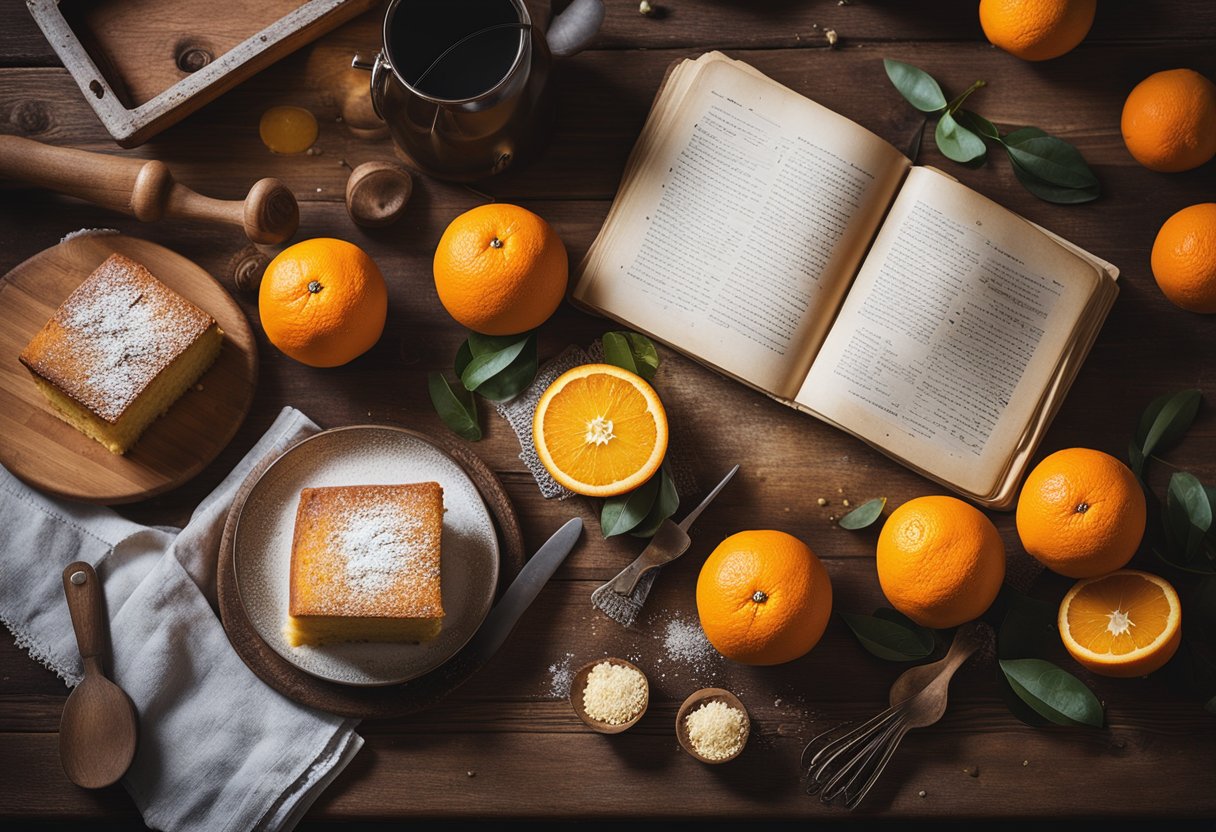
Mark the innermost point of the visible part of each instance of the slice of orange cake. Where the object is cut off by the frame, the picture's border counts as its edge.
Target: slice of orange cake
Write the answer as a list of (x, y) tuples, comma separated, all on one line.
[(365, 564), (119, 352)]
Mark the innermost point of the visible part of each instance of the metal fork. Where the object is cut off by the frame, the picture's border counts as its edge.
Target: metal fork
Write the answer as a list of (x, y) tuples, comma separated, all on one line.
[(918, 699)]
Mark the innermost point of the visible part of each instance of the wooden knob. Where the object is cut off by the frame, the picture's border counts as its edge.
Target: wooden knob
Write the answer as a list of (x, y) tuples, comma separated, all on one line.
[(377, 193), (272, 214)]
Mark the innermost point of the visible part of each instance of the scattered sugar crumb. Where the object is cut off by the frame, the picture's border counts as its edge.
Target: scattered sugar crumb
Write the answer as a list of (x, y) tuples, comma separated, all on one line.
[(560, 677)]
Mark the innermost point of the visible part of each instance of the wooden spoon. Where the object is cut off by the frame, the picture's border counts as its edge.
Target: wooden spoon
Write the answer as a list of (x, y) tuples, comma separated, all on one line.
[(97, 731), (579, 683), (695, 701)]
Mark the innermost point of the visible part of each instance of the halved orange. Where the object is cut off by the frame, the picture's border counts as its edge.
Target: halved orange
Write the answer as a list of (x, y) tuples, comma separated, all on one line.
[(600, 430), (1127, 623)]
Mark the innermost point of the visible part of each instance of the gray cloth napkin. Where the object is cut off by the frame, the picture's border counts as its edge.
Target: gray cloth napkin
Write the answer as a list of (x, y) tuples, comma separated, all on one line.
[(218, 749)]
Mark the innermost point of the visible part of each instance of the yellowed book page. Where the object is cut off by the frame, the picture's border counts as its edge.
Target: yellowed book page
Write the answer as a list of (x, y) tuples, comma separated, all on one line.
[(741, 225), (954, 328)]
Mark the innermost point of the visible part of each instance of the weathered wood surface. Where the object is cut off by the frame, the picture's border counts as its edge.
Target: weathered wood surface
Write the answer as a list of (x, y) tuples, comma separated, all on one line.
[(531, 755)]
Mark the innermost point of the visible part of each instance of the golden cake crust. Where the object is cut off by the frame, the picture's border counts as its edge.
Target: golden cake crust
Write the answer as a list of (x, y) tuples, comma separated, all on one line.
[(368, 551), (113, 336)]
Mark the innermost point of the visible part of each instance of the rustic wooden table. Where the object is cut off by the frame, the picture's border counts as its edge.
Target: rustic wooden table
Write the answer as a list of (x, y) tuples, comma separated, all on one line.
[(507, 743)]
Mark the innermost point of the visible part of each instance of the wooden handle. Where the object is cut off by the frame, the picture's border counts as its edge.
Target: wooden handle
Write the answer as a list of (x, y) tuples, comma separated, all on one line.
[(968, 639), (83, 591), (145, 189), (132, 186)]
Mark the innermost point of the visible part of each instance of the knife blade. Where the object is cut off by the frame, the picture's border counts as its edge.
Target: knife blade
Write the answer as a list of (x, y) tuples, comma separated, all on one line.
[(522, 592)]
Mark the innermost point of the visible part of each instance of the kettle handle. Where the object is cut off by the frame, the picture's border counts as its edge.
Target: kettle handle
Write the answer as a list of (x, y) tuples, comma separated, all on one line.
[(571, 31), (379, 68)]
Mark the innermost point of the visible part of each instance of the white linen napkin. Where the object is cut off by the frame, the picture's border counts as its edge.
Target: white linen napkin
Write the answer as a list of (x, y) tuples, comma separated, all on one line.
[(218, 748)]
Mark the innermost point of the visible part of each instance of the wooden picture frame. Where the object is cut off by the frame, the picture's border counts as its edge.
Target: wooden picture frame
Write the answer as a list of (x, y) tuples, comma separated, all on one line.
[(132, 120)]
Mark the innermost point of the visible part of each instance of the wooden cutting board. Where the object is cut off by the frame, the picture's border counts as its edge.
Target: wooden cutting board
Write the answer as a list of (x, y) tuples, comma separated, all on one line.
[(49, 454)]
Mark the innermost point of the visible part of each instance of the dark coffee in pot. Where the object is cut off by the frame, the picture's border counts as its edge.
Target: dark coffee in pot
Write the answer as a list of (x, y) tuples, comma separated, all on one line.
[(454, 49)]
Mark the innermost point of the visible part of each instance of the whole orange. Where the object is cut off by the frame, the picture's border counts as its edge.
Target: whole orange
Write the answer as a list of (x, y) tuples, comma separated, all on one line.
[(1184, 258), (1037, 30), (323, 302), (763, 597), (940, 561), (1169, 121), (500, 269), (1081, 513)]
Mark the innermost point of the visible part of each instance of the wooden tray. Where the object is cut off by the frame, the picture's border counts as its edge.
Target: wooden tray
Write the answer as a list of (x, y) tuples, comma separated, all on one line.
[(53, 456), (146, 64), (345, 700)]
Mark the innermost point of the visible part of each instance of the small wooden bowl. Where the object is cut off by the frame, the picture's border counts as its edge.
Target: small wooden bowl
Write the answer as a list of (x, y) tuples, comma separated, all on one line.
[(579, 683), (697, 700)]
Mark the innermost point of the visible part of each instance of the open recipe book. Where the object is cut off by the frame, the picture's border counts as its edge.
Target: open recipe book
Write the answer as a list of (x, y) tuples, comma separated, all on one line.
[(786, 246)]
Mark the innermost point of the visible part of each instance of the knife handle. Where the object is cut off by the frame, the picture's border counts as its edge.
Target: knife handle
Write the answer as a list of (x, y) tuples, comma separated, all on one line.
[(627, 581)]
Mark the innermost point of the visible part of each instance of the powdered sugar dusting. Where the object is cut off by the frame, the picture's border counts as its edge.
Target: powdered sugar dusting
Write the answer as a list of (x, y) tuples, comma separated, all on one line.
[(383, 545), (685, 641), (115, 333)]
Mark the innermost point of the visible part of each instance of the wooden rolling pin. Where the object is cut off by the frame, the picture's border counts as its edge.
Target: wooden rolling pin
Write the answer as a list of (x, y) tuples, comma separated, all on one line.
[(146, 190)]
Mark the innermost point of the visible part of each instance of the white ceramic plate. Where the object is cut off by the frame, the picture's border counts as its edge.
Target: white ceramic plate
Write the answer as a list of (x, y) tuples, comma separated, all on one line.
[(365, 455)]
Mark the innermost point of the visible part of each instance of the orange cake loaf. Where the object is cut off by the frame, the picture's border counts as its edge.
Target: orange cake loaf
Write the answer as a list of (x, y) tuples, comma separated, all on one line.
[(119, 351), (365, 563)]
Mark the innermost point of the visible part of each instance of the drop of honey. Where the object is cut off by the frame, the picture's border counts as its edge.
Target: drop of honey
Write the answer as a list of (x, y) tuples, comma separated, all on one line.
[(288, 129)]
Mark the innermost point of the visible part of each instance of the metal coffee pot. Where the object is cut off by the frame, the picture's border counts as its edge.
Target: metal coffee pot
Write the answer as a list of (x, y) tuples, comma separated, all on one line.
[(471, 132)]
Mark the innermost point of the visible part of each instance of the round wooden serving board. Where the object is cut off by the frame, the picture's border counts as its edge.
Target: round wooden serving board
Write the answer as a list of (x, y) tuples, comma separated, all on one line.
[(363, 702), (50, 454)]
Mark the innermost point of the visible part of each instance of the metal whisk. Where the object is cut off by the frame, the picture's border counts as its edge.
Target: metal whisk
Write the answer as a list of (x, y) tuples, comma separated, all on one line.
[(848, 764)]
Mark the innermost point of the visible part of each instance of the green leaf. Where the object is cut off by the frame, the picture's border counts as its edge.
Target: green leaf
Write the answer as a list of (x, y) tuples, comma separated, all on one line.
[(1136, 458), (1049, 192), (617, 352), (977, 124), (625, 511), (631, 351), (953, 106), (890, 640), (645, 355), (463, 356), (916, 85), (957, 142), (487, 364), (1052, 160), (485, 344), (1166, 420), (515, 378), (864, 514), (1188, 515), (1052, 692), (665, 505), (456, 407), (1022, 134)]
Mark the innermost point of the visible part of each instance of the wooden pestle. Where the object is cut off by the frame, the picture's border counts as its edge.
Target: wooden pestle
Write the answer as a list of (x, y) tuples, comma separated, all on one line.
[(146, 190)]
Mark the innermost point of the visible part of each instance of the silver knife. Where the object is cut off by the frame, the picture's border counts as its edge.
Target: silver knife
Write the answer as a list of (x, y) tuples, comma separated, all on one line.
[(668, 543), (520, 594)]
